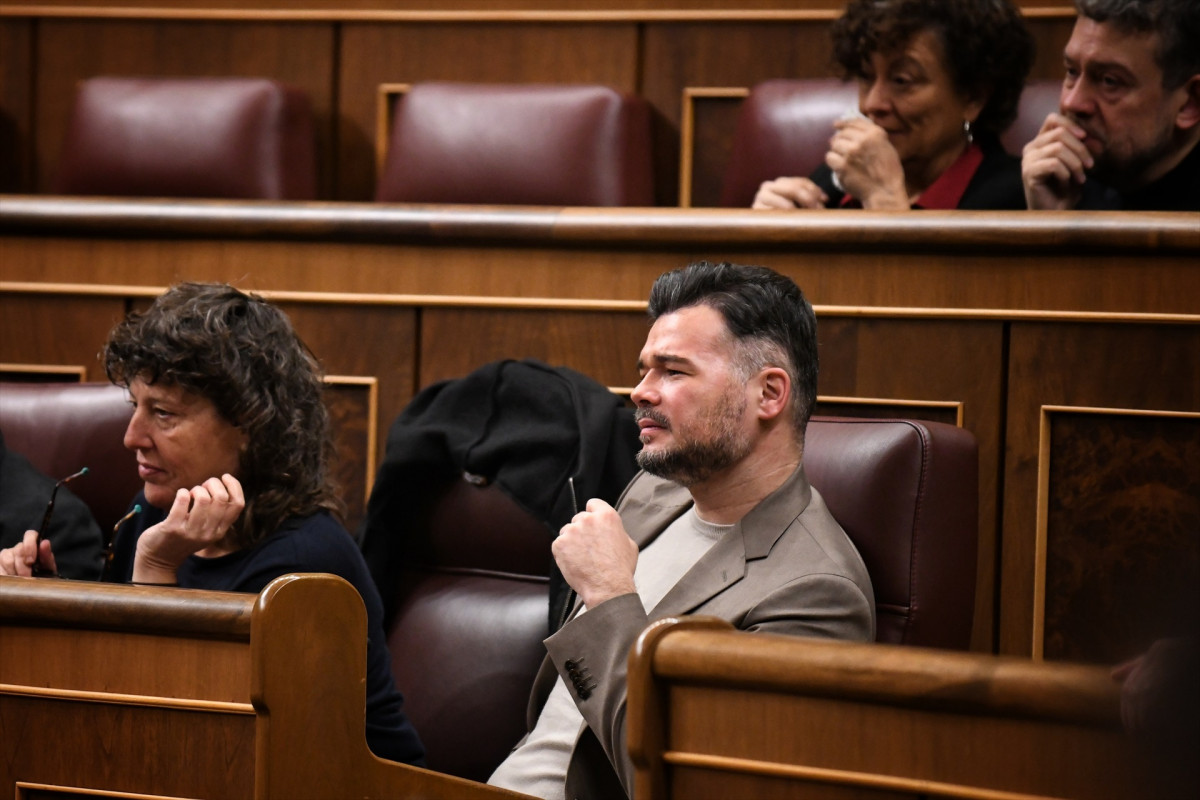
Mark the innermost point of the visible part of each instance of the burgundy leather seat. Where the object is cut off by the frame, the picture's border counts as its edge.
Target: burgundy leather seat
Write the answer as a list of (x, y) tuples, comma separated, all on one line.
[(538, 144), (62, 427), (783, 129), (1039, 98), (233, 138), (907, 494), (470, 617), (784, 126)]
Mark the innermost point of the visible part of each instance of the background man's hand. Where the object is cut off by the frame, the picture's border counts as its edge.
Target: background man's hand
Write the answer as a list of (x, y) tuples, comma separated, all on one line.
[(1053, 165)]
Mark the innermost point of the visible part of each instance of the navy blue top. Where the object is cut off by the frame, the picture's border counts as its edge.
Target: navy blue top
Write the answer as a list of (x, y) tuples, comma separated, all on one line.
[(317, 543)]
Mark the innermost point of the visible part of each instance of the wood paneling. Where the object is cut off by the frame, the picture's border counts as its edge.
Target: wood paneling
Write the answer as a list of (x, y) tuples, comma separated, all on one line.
[(994, 314), (474, 52), (835, 720), (57, 330), (601, 345), (67, 51), (1122, 532), (1125, 366)]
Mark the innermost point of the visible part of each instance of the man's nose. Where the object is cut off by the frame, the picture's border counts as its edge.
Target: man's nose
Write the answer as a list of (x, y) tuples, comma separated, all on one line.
[(1076, 98)]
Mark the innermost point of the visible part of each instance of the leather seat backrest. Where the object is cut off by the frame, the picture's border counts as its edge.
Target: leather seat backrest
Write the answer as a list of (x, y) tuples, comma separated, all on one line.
[(906, 492), (234, 138), (1039, 99), (62, 427), (783, 129), (470, 617), (536, 144)]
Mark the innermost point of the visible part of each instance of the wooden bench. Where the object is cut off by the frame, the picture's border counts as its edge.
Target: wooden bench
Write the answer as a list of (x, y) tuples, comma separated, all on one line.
[(715, 713), (156, 692)]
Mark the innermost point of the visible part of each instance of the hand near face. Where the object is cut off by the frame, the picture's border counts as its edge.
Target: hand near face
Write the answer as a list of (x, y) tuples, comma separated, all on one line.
[(867, 165), (1053, 165), (596, 555), (788, 193), (199, 519), (19, 559)]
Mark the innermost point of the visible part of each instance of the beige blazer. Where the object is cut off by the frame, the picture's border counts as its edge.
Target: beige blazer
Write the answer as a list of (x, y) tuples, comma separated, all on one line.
[(787, 567)]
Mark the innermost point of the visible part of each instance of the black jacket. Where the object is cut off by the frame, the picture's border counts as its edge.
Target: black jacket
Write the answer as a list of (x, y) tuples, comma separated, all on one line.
[(522, 425)]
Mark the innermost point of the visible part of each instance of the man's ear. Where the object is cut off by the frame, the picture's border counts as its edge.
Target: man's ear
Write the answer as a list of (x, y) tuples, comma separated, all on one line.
[(775, 392), (1188, 115)]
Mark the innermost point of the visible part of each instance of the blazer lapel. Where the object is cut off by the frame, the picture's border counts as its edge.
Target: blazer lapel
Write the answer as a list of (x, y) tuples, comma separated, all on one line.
[(751, 538)]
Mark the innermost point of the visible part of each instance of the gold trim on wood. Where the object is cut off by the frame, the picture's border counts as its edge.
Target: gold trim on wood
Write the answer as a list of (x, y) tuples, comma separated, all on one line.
[(842, 777), (957, 405), (385, 108), (59, 791), (372, 384), (45, 369), (1041, 533), (687, 131), (114, 698), (570, 304)]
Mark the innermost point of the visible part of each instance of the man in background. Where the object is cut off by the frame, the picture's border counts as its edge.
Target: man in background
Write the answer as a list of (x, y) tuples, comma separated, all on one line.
[(1128, 124)]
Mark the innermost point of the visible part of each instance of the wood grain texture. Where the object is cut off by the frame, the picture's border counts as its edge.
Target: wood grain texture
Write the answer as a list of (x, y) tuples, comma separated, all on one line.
[(1138, 367), (198, 708), (838, 720)]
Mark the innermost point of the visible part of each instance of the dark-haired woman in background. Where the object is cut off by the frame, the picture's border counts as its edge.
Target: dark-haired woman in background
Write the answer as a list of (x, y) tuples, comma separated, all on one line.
[(938, 81), (233, 443)]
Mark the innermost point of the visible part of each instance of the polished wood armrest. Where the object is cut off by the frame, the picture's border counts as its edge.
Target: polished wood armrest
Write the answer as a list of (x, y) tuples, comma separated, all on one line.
[(715, 713), (183, 693)]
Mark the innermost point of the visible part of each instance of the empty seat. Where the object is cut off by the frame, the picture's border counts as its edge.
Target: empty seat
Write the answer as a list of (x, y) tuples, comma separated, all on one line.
[(906, 493), (235, 138), (542, 144)]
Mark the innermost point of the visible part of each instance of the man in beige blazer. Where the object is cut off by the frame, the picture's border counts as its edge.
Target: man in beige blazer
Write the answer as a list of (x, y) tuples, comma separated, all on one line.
[(721, 520)]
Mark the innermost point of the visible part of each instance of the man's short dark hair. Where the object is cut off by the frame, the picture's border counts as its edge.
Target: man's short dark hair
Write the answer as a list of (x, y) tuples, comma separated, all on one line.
[(766, 313), (1177, 23), (241, 353)]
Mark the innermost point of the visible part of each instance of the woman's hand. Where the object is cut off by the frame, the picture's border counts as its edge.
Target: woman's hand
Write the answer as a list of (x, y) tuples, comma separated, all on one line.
[(199, 519), (788, 193), (867, 165), (19, 559)]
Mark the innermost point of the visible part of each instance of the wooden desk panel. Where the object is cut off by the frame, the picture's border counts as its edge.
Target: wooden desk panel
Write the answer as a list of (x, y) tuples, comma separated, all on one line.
[(995, 314)]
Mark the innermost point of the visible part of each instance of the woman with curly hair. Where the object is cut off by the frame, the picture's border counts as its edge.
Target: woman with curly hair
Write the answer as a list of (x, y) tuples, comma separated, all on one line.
[(938, 80), (233, 444)]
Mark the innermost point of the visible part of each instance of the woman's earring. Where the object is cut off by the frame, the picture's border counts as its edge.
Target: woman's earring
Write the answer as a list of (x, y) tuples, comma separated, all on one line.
[(967, 131)]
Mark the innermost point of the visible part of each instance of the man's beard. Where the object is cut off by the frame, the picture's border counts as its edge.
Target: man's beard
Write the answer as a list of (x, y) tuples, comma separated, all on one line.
[(690, 460), (1125, 172)]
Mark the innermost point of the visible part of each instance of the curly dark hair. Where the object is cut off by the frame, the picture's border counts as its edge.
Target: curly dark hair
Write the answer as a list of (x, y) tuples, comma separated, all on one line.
[(766, 313), (241, 353), (987, 48), (1177, 23)]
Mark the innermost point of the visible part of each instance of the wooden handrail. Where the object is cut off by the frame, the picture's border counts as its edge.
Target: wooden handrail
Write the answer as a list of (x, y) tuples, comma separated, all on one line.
[(1012, 231)]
